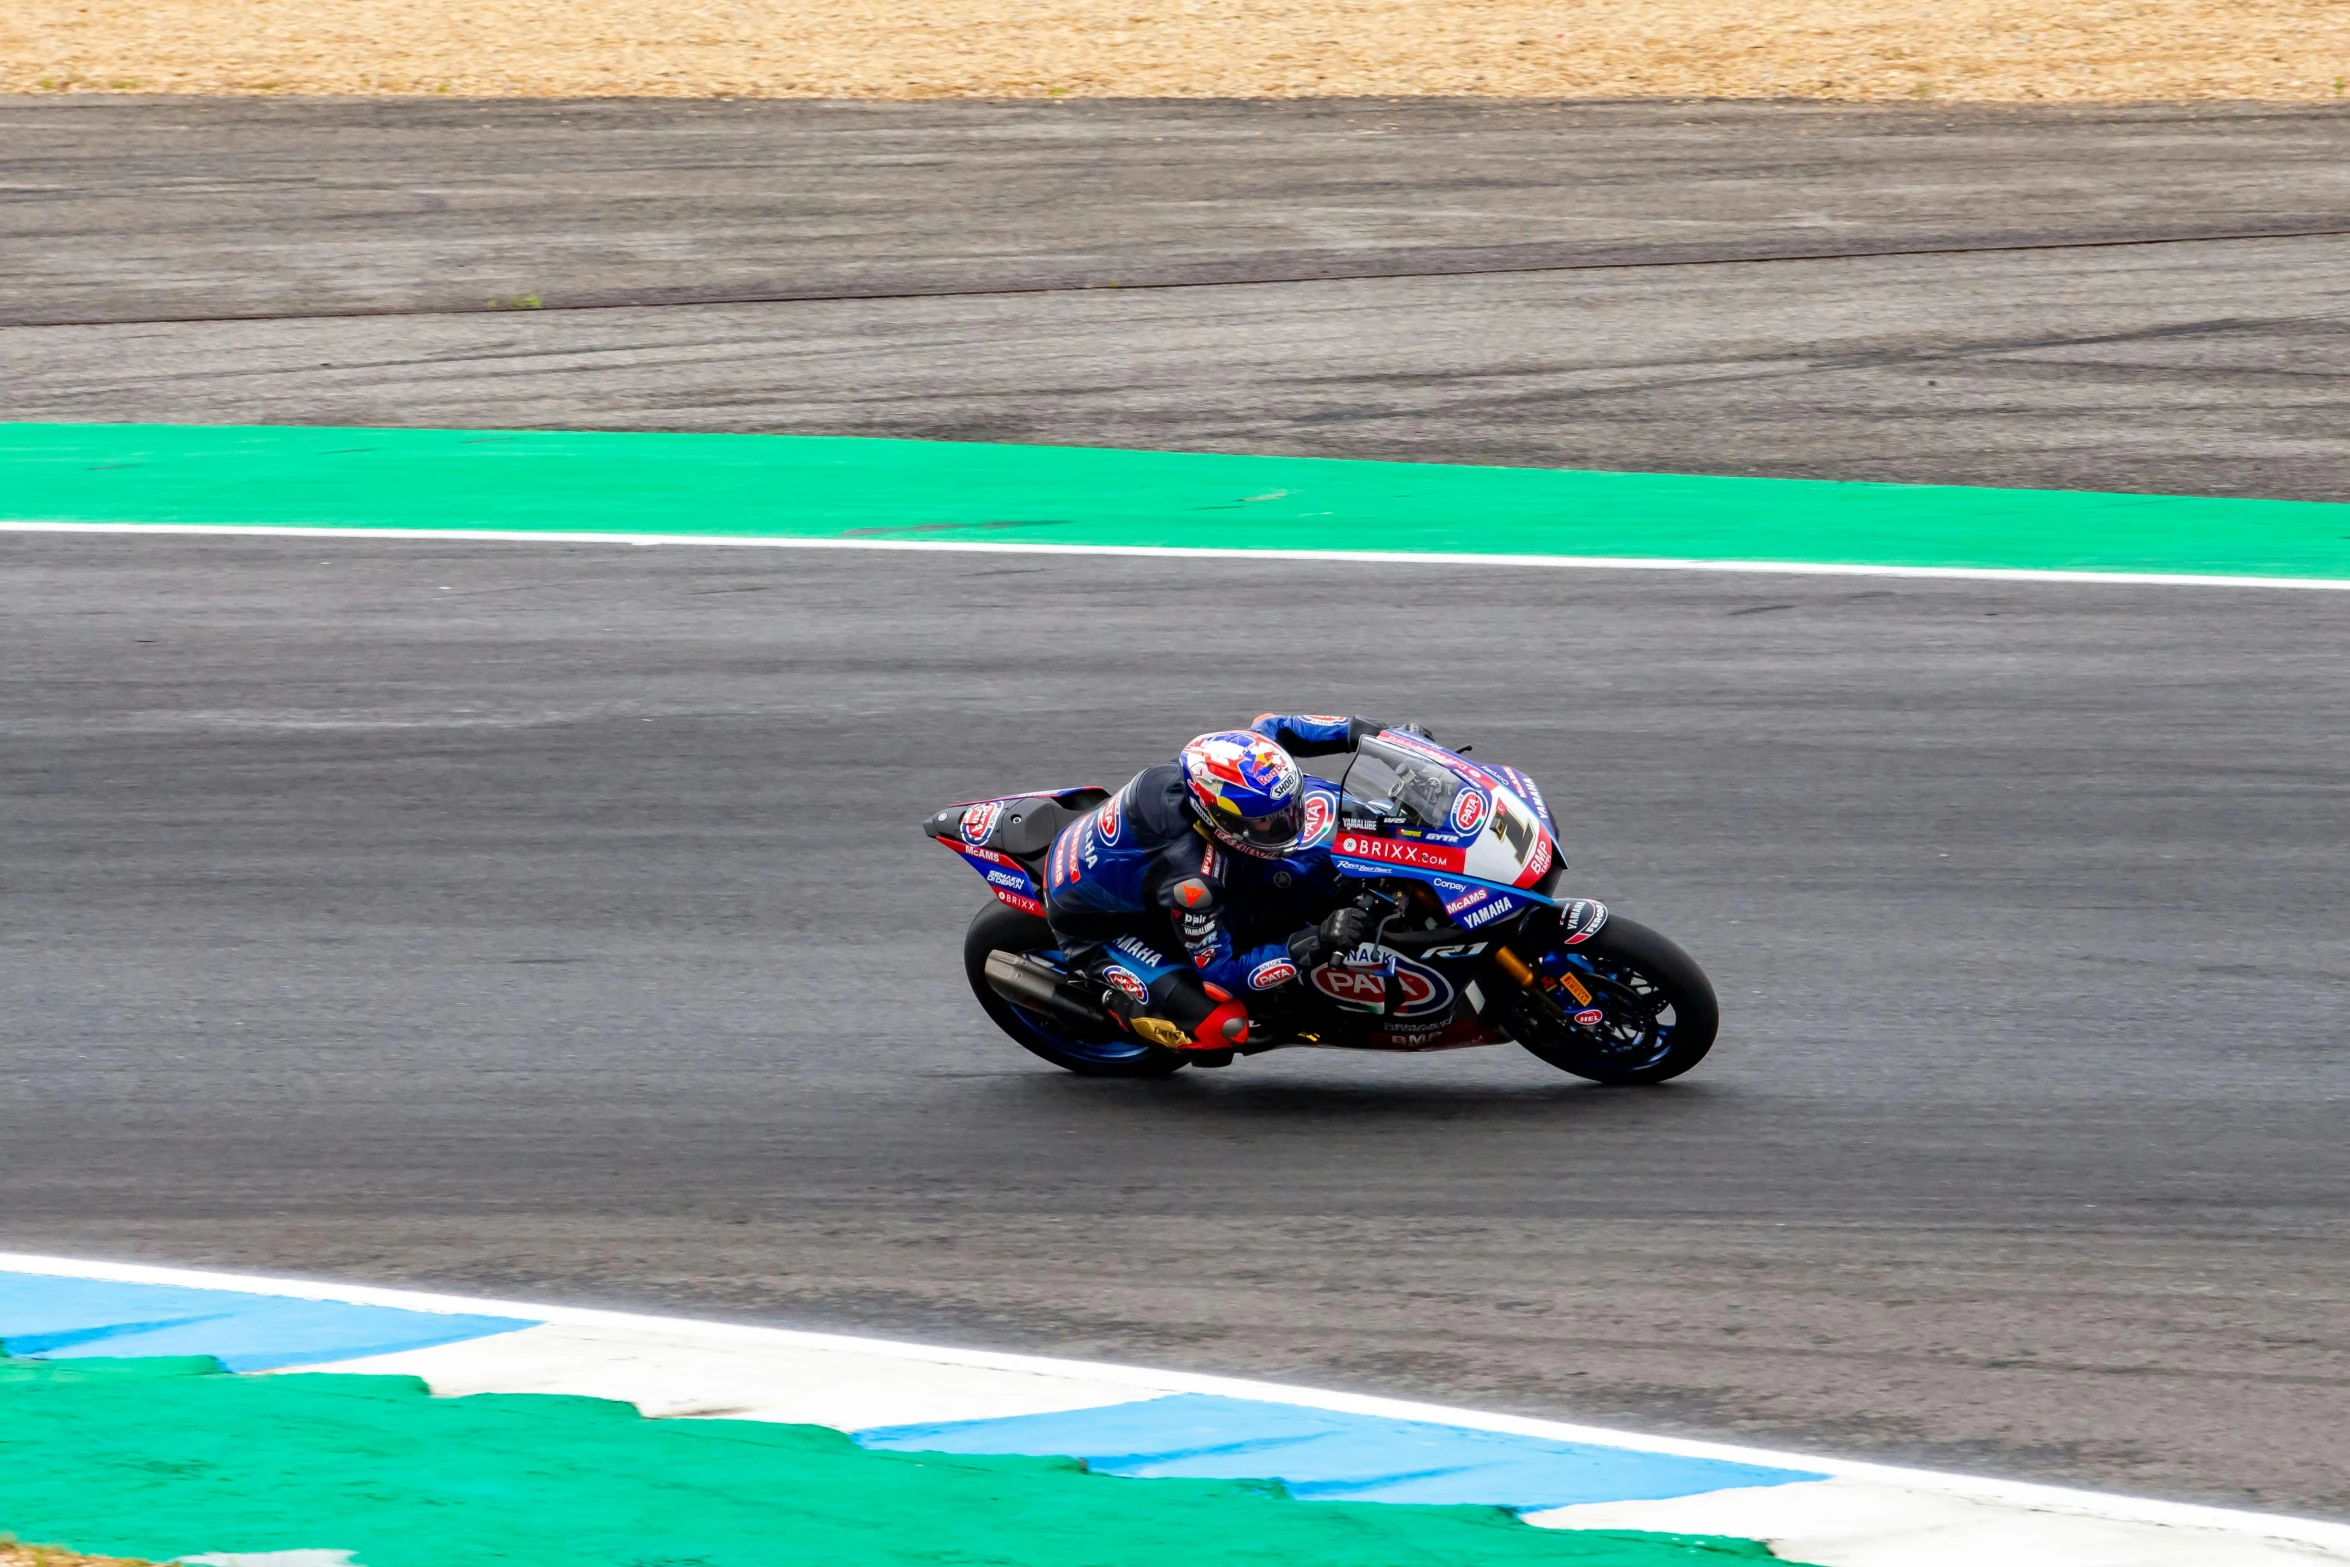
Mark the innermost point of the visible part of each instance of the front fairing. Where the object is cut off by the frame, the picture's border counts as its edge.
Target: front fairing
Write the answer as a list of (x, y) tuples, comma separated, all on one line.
[(1412, 809)]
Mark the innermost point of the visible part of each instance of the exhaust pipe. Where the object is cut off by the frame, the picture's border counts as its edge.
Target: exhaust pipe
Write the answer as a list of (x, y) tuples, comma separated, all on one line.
[(1025, 982)]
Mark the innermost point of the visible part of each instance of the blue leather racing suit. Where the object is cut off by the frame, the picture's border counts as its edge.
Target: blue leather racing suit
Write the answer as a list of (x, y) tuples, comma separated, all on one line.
[(1182, 927)]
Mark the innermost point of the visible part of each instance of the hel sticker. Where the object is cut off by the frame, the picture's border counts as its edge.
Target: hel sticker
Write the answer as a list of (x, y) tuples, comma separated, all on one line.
[(1468, 810), (979, 820), (1266, 976), (1128, 981), (1590, 1017)]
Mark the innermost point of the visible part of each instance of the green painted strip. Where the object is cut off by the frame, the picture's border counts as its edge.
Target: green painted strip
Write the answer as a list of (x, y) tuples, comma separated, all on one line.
[(163, 1458), (818, 488)]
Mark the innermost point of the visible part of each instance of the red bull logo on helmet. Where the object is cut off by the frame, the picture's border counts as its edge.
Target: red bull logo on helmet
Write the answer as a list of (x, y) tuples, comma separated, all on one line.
[(1240, 768)]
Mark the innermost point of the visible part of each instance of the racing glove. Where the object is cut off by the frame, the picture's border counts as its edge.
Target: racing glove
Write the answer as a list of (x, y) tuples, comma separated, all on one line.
[(1340, 930)]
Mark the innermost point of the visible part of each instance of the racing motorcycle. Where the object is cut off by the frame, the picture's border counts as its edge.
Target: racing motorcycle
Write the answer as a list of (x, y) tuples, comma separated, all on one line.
[(1473, 944)]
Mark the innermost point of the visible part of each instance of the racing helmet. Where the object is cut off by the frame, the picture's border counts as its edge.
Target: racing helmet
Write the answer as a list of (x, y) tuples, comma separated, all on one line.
[(1246, 791)]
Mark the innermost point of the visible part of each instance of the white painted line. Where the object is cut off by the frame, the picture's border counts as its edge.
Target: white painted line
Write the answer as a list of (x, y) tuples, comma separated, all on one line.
[(2166, 579), (2039, 1498)]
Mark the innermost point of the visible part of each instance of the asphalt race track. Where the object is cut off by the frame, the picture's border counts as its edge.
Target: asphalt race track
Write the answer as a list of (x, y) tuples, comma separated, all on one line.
[(553, 921)]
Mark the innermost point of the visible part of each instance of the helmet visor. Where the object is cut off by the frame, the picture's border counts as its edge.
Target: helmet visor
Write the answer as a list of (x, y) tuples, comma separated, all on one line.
[(1276, 831)]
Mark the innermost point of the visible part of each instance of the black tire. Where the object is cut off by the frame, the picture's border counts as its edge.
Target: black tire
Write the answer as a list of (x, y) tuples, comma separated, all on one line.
[(1002, 928), (1662, 1012)]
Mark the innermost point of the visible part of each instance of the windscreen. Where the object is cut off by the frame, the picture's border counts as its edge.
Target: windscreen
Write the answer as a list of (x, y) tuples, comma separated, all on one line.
[(1387, 782)]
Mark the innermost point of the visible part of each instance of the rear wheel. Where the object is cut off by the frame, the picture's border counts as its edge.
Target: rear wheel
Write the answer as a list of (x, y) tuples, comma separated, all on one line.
[(1656, 1011), (1110, 1053)]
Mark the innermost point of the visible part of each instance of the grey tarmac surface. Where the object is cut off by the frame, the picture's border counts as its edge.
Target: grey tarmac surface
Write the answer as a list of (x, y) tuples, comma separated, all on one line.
[(552, 921), (986, 237)]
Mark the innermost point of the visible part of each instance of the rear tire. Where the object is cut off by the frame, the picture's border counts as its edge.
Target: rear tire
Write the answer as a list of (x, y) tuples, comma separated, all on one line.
[(1001, 928), (1661, 1012)]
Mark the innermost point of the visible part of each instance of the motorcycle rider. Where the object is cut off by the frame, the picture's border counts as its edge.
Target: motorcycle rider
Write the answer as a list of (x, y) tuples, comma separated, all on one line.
[(1146, 893)]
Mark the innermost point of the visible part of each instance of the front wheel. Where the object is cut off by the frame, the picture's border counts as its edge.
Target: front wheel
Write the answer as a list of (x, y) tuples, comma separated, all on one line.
[(1002, 928), (1651, 1013)]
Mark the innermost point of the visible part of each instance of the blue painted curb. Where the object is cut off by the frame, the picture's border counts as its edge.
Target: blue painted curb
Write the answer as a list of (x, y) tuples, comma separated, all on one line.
[(1321, 1454), (47, 1318)]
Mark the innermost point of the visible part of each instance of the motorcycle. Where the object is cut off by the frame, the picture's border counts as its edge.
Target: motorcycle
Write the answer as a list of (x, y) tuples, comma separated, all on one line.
[(1473, 945)]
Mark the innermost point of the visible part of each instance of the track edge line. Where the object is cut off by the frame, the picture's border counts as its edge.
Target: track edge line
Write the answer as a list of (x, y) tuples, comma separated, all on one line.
[(1213, 552)]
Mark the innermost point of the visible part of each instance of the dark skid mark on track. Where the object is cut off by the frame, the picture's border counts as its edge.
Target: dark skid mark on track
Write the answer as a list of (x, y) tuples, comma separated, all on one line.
[(1396, 268)]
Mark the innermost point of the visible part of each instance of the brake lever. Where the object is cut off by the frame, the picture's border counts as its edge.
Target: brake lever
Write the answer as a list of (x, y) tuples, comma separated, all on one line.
[(1397, 908)]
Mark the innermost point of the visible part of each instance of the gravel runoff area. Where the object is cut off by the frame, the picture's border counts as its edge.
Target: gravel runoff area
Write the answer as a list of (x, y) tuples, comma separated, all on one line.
[(13, 1554), (1976, 50)]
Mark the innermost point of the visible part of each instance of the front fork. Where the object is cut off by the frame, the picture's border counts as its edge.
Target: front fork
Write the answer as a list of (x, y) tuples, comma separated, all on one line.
[(1576, 922), (1538, 996)]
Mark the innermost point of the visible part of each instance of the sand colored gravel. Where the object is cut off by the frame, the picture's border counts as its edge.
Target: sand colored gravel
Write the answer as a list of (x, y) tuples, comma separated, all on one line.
[(1979, 50), (13, 1554)]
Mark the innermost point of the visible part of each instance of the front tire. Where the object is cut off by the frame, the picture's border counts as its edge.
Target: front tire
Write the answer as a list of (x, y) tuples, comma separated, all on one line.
[(1659, 1015), (1002, 928)]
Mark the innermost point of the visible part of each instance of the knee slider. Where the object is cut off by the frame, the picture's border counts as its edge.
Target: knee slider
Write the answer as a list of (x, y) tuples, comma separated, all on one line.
[(1222, 1029)]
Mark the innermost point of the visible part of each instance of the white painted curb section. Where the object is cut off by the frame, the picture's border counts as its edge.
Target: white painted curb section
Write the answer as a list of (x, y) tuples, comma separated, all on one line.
[(2168, 579), (1864, 1515)]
